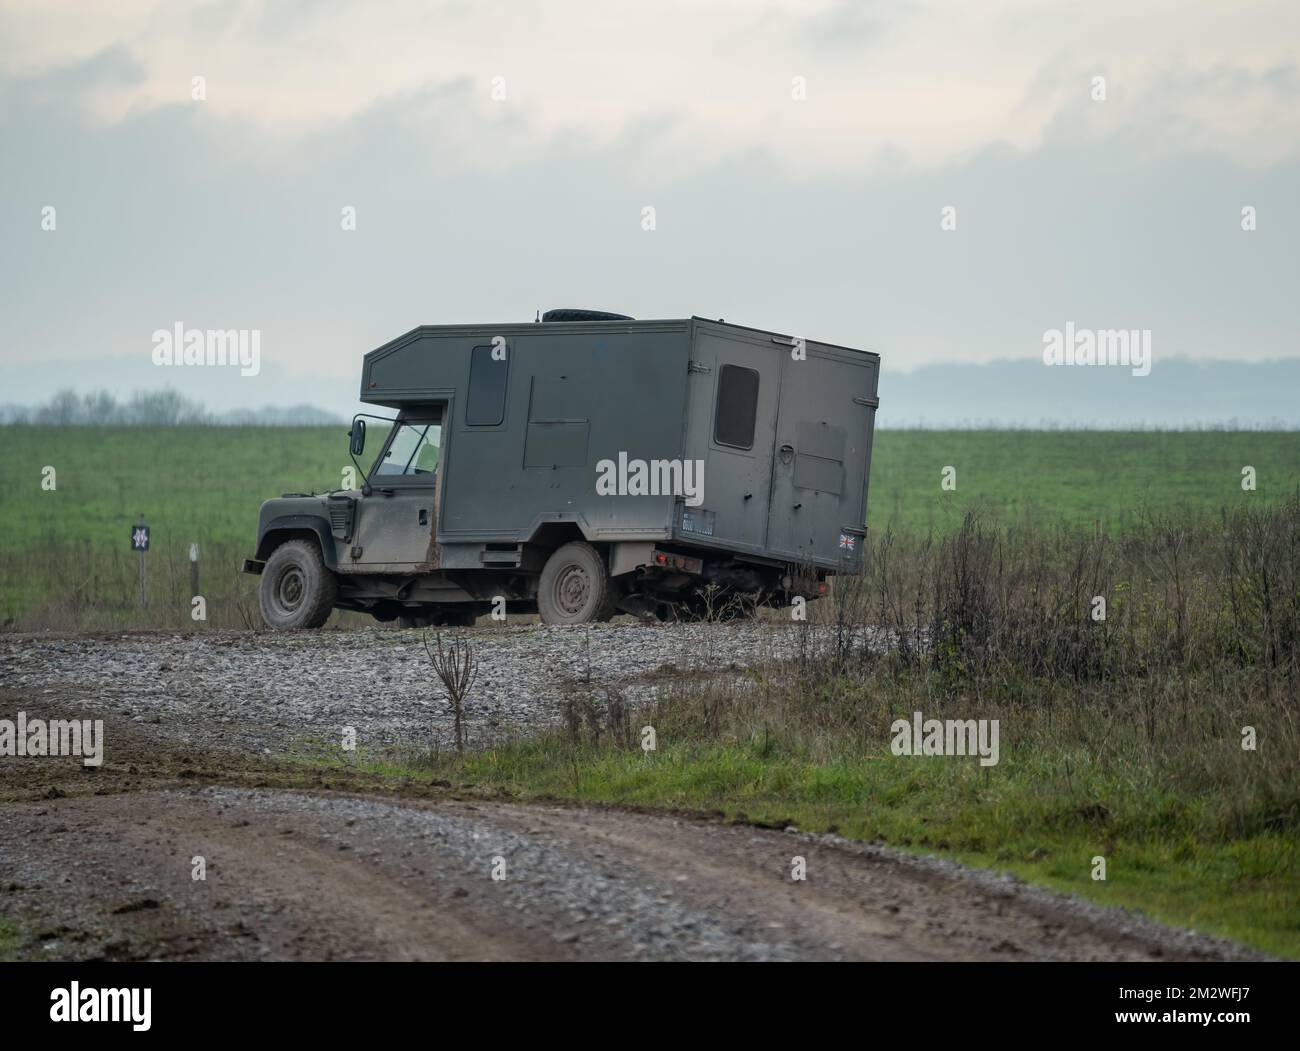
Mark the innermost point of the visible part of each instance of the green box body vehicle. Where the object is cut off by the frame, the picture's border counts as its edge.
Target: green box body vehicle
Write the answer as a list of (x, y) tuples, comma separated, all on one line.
[(582, 466)]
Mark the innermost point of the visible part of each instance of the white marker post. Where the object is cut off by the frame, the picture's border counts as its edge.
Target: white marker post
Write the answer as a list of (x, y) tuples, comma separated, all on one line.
[(140, 543)]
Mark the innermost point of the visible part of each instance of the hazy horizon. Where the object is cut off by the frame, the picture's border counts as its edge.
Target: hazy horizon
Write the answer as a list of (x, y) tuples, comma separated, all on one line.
[(1001, 394)]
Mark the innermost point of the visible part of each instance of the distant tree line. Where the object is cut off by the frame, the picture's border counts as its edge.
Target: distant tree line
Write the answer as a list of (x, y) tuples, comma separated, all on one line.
[(152, 408)]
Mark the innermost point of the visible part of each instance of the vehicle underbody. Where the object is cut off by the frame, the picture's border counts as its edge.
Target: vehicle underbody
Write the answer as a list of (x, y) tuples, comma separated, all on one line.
[(680, 584)]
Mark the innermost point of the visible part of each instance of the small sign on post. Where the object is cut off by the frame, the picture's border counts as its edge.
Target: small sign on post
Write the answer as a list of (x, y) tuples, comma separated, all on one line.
[(140, 543)]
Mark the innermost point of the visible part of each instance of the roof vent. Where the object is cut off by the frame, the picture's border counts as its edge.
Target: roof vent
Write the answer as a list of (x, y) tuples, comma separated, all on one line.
[(584, 315)]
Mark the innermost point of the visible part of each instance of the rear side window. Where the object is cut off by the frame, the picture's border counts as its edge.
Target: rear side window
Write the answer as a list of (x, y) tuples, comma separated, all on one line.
[(485, 405), (733, 418)]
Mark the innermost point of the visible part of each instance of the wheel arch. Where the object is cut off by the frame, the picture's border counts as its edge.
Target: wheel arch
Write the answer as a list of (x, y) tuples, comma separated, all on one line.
[(298, 527), (551, 536)]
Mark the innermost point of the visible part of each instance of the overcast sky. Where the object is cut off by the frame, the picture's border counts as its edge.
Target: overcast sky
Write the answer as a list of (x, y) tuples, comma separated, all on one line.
[(499, 158)]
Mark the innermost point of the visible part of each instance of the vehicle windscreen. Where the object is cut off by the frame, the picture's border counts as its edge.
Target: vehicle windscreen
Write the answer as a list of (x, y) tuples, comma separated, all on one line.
[(413, 450)]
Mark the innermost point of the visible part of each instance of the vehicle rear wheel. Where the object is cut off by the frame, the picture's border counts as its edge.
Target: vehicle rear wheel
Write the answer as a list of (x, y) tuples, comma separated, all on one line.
[(575, 587), (297, 589)]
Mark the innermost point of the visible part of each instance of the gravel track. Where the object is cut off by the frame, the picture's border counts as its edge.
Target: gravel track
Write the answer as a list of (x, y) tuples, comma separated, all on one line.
[(266, 692)]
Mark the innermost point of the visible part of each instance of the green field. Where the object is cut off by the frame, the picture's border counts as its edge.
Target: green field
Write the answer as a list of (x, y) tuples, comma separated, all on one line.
[(66, 554), (66, 559), (1083, 479)]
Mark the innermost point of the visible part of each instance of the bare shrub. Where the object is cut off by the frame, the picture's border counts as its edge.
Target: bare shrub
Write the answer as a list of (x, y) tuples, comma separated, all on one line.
[(571, 717), (456, 667), (618, 719)]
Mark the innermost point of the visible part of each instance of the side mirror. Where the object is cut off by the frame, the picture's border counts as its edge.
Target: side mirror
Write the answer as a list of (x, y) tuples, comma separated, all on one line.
[(358, 436)]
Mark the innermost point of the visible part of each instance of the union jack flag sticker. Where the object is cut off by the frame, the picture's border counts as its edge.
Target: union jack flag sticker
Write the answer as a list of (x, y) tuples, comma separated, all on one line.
[(846, 541)]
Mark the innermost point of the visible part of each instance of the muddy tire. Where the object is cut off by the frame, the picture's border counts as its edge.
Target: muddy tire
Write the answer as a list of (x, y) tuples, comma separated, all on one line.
[(297, 589), (575, 587)]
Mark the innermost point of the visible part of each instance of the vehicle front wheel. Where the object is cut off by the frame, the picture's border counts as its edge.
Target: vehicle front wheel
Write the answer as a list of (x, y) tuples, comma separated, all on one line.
[(575, 587), (297, 589)]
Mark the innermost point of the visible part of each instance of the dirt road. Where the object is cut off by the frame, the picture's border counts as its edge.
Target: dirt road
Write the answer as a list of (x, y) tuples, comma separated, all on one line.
[(302, 875)]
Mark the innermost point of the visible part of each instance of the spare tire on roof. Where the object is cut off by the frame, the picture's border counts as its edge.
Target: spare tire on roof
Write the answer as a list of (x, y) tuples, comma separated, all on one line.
[(584, 315)]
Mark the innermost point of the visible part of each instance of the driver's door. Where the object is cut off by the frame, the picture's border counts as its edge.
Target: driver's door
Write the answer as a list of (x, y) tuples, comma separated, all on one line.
[(395, 523)]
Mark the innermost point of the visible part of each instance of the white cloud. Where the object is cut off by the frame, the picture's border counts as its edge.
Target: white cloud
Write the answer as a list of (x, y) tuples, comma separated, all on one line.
[(919, 84)]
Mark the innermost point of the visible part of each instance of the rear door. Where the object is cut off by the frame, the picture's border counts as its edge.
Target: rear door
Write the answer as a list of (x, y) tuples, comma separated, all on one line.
[(734, 377), (824, 430)]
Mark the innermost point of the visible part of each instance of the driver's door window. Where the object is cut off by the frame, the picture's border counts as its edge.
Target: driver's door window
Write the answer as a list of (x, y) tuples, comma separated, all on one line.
[(413, 452)]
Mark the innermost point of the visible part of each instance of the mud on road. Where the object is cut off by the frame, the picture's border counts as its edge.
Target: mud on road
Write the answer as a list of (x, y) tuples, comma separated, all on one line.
[(314, 863)]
